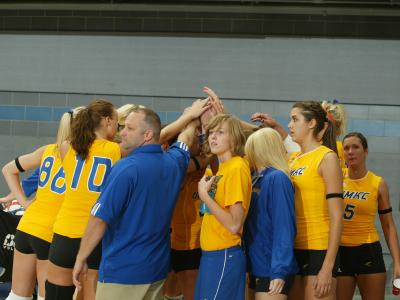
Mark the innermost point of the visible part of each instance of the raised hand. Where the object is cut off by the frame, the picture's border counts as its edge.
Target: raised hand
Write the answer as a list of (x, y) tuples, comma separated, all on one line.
[(265, 119)]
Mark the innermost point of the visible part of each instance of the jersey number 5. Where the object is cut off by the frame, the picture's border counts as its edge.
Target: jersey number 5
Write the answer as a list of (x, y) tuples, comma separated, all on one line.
[(349, 212)]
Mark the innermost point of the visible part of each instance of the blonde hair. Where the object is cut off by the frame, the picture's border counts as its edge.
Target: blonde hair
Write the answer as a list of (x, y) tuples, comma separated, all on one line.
[(125, 110), (338, 114), (123, 113), (64, 128), (264, 148), (236, 133)]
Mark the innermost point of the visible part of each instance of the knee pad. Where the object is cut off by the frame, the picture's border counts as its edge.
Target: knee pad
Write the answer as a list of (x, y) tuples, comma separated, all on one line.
[(13, 296), (59, 292), (39, 298)]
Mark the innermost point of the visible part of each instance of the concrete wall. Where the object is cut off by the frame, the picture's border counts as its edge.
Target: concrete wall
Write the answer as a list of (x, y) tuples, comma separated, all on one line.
[(356, 71)]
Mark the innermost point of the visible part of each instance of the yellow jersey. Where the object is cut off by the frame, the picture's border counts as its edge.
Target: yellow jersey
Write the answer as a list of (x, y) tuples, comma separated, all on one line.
[(232, 185), (186, 221), (84, 180), (340, 153), (360, 208), (39, 217), (312, 218)]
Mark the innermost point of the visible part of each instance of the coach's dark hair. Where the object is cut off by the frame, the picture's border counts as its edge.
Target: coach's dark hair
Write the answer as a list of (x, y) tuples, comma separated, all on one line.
[(86, 122), (314, 110), (152, 120), (360, 136)]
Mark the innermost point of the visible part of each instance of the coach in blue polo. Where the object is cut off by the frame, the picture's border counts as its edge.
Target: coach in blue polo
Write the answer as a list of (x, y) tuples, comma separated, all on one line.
[(134, 212)]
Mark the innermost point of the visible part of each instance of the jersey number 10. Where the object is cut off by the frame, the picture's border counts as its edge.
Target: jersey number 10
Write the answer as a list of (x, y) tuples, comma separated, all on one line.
[(57, 183)]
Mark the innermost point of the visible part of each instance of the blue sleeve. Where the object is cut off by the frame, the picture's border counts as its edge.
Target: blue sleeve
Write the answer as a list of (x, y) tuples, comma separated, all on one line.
[(180, 152), (282, 211), (30, 184), (115, 194)]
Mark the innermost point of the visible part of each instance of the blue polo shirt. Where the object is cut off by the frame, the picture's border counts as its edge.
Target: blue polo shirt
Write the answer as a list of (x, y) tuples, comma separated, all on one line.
[(137, 203)]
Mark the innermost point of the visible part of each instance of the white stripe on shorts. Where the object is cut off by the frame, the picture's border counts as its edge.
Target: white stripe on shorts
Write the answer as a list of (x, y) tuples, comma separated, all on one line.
[(222, 275)]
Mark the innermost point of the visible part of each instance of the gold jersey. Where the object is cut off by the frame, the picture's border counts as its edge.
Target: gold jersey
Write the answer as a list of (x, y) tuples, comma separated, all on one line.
[(232, 185), (186, 221), (312, 218), (339, 147), (360, 208), (39, 217), (84, 181)]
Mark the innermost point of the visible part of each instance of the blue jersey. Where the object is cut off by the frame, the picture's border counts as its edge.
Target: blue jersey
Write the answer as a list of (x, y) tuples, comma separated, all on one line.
[(137, 204), (30, 184), (270, 227)]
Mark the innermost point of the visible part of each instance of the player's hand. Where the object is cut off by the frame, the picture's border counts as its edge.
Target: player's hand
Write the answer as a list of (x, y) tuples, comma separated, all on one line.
[(80, 269), (265, 119), (205, 185), (323, 283), (276, 286)]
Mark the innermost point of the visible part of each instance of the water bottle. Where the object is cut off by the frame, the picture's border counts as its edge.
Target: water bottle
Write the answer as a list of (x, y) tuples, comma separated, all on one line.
[(203, 207), (396, 287)]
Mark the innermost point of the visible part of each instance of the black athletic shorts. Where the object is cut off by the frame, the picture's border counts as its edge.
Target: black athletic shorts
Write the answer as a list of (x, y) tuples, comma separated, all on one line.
[(182, 260), (261, 284), (8, 225), (63, 251), (363, 259), (310, 262), (29, 244)]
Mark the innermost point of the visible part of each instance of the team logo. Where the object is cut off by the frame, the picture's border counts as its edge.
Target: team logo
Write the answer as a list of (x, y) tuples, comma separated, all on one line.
[(356, 195), (9, 242), (368, 264), (298, 171), (214, 186)]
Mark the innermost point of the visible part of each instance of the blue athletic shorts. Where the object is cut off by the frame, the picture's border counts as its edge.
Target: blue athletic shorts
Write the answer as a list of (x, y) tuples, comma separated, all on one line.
[(222, 275)]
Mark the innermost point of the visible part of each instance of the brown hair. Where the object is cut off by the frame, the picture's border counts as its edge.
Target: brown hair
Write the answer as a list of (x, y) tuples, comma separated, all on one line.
[(152, 120), (360, 136), (86, 122), (236, 133), (314, 110)]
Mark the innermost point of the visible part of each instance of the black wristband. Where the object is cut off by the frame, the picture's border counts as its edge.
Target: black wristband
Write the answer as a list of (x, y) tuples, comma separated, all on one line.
[(19, 167), (334, 195), (385, 211), (196, 162)]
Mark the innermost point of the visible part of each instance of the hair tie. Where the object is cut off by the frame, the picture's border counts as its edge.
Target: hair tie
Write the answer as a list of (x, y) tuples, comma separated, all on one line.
[(330, 117)]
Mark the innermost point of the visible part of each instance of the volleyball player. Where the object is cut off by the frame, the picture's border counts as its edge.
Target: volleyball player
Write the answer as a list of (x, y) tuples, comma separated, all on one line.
[(35, 229), (270, 226), (227, 195), (365, 195), (317, 177), (87, 161)]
